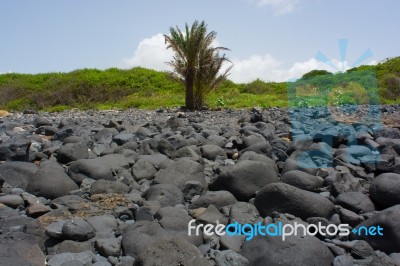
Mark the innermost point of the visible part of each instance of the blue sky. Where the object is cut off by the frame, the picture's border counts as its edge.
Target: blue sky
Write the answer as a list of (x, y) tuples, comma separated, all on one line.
[(273, 40)]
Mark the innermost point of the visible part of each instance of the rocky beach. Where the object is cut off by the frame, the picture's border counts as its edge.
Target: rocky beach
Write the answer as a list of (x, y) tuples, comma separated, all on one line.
[(120, 188)]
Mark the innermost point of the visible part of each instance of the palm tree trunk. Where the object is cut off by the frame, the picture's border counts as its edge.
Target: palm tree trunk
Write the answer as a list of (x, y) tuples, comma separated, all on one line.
[(189, 80)]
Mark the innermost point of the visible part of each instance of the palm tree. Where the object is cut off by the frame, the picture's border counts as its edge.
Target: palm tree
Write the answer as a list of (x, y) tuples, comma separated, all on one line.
[(196, 62)]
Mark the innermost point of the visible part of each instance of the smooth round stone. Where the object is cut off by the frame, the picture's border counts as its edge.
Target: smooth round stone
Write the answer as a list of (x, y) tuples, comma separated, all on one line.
[(78, 229)]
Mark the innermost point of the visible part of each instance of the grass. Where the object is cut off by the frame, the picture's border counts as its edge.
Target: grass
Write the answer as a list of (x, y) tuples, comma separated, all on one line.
[(149, 89)]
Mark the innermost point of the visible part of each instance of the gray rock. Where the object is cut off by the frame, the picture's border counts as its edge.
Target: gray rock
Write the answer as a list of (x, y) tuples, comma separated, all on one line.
[(50, 181), (55, 229), (77, 229), (140, 235), (232, 242), (211, 152), (70, 201), (166, 194), (40, 121), (385, 190), (72, 152), (12, 201), (261, 148), (159, 161), (349, 217), (285, 198), (143, 169), (188, 151), (16, 149), (19, 224), (102, 263), (343, 260), (124, 137), (230, 258), (252, 156), (65, 258), (104, 223), (144, 214), (108, 246), (105, 135), (245, 178), (303, 165), (7, 212), (69, 246), (98, 168), (253, 139), (356, 202), (395, 257), (382, 259), (37, 209), (191, 189), (171, 252), (243, 213), (126, 261), (18, 174), (175, 221), (20, 249), (302, 180), (107, 186), (212, 216), (361, 249), (217, 198), (295, 250), (388, 220), (181, 171)]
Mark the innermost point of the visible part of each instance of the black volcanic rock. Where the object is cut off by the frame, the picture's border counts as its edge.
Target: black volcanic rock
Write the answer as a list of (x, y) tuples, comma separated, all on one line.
[(385, 190), (245, 178), (285, 198)]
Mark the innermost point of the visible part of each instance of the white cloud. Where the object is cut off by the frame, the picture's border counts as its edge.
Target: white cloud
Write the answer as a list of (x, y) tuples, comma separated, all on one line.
[(8, 72), (151, 53), (267, 68), (256, 66), (279, 6)]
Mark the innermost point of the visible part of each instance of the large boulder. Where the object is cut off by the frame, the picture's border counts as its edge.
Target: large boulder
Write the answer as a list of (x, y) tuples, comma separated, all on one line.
[(171, 252), (217, 198), (102, 186), (181, 171), (387, 219), (355, 201), (166, 194), (302, 180), (385, 190), (72, 152), (50, 181), (78, 229), (18, 174), (211, 152), (284, 198), (20, 249), (140, 235), (245, 178), (295, 250), (97, 168), (143, 169), (16, 149), (175, 221)]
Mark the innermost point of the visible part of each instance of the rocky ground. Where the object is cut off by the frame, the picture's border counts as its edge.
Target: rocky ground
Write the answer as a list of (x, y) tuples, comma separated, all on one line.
[(119, 188)]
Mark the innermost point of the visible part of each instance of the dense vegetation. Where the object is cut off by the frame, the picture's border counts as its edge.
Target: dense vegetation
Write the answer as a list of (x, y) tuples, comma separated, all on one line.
[(145, 88)]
